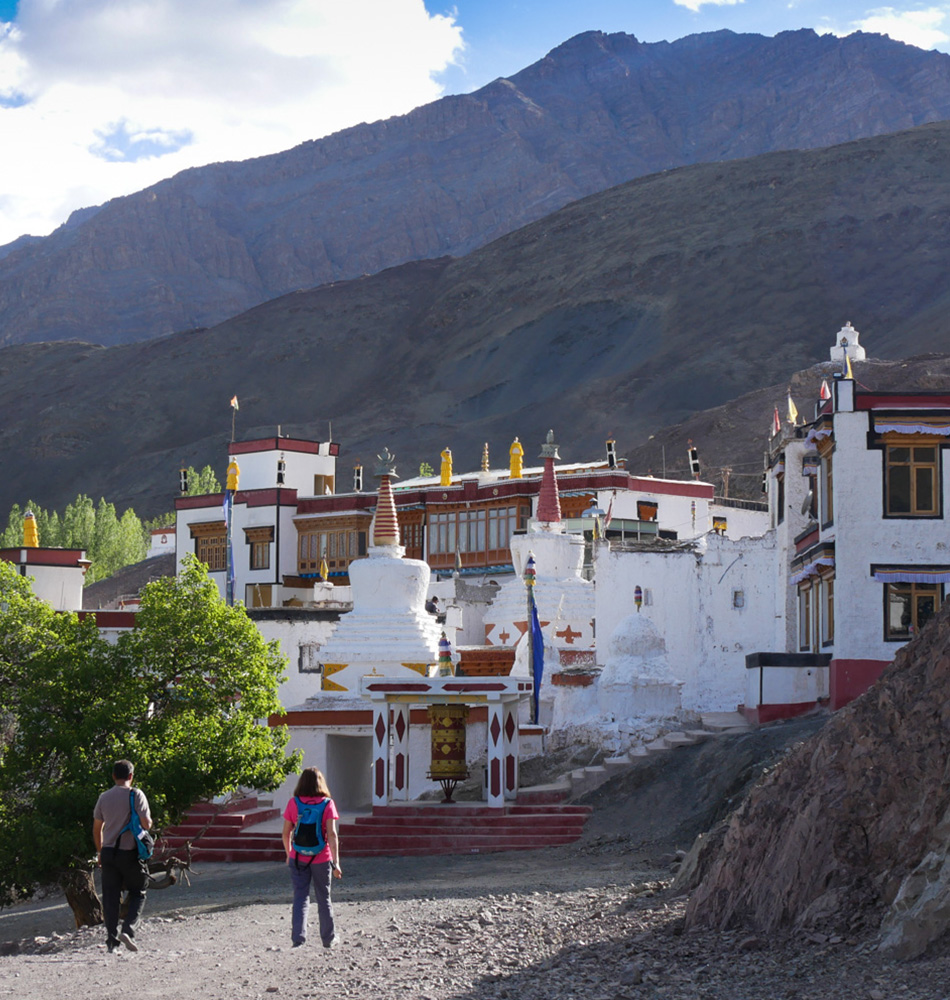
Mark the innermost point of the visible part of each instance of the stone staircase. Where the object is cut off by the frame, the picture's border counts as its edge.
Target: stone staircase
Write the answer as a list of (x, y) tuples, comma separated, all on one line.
[(585, 779), (249, 830), (463, 827)]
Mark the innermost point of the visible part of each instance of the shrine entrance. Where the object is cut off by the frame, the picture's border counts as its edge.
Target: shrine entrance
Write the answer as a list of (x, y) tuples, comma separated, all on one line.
[(392, 698)]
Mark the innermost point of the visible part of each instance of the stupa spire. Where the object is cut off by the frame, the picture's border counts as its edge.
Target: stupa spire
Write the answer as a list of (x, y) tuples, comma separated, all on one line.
[(549, 502), (385, 525)]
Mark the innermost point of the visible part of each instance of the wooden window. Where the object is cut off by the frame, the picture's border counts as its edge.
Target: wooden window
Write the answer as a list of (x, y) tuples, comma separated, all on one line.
[(211, 543), (908, 607), (827, 488), (828, 611), (805, 619), (259, 541), (911, 480), (481, 534)]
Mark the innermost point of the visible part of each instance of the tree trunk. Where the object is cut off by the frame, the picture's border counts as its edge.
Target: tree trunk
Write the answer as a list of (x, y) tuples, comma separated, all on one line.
[(80, 889)]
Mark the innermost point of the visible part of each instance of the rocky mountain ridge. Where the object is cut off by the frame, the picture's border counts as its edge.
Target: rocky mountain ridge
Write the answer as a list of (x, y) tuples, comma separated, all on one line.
[(654, 303), (600, 109)]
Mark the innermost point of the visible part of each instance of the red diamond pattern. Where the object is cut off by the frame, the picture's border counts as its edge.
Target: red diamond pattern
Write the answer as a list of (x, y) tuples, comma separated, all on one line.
[(510, 726), (380, 730), (495, 728), (400, 725)]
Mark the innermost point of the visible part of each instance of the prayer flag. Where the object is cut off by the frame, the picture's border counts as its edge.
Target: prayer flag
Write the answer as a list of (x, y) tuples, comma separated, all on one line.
[(847, 368), (776, 423), (324, 570), (792, 411), (234, 403), (825, 391), (537, 656)]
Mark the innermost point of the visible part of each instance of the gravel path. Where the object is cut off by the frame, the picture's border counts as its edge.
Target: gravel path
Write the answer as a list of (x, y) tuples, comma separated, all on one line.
[(590, 922)]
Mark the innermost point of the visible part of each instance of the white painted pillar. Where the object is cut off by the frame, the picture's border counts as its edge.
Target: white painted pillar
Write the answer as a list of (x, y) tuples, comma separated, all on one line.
[(400, 724), (496, 737), (510, 749), (380, 753)]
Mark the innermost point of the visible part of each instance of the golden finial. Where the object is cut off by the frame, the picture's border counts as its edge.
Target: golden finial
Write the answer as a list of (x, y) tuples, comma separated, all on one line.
[(516, 453), (31, 536), (446, 473)]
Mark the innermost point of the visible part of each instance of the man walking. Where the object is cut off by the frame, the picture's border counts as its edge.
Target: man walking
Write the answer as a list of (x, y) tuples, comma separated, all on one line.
[(118, 855)]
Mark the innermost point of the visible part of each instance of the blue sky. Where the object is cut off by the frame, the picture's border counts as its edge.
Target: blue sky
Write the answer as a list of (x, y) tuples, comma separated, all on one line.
[(100, 98)]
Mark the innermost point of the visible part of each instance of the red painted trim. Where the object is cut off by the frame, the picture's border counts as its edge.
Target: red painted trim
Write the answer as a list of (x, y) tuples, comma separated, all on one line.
[(810, 539), (359, 717), (110, 619), (847, 679), (772, 713), (274, 444), (45, 557), (271, 497), (916, 401), (572, 680)]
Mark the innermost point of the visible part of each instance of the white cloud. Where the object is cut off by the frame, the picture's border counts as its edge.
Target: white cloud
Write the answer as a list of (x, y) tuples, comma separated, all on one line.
[(103, 97), (924, 27), (695, 5)]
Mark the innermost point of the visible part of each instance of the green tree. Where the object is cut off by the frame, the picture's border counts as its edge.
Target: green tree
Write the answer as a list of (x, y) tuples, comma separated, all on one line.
[(199, 484), (78, 524), (12, 535), (183, 695)]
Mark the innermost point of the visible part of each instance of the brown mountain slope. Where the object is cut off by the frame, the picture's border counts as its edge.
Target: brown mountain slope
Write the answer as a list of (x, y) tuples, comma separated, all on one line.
[(450, 176), (629, 311)]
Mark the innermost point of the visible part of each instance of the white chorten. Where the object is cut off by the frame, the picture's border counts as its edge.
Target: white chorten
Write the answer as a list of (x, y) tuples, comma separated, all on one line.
[(389, 631), (847, 345), (637, 682)]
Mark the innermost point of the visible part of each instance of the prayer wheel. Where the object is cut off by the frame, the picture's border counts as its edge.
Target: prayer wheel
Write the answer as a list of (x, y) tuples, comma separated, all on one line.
[(448, 746)]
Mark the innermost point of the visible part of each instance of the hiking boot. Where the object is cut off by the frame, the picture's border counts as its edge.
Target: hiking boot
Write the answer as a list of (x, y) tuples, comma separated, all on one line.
[(126, 939)]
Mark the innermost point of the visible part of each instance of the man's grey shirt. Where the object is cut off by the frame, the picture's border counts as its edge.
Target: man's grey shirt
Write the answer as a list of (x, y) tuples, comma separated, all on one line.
[(112, 808)]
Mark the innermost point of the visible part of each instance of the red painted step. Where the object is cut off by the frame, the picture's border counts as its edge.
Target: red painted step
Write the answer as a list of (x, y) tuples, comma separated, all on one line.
[(405, 829)]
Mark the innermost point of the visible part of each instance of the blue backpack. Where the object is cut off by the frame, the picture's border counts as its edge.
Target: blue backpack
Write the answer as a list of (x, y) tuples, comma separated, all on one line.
[(308, 839), (144, 841)]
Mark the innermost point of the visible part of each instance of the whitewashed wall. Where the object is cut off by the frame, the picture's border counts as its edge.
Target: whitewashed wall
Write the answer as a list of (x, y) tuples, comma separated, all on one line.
[(864, 536), (692, 597), (293, 633)]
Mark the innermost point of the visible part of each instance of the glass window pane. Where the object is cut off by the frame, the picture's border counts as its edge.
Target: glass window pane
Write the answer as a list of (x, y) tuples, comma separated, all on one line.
[(898, 455), (925, 455), (898, 493), (899, 618), (924, 483)]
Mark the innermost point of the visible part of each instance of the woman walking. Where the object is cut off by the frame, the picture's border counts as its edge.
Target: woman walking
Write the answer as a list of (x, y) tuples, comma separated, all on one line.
[(313, 853)]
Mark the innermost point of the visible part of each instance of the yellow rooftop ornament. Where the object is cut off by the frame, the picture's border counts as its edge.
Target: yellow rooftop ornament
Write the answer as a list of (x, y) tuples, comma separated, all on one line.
[(517, 455), (446, 472), (485, 465), (233, 472), (31, 536)]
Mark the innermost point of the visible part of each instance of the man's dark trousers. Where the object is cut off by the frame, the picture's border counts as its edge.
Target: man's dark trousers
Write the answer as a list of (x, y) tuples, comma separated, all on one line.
[(122, 870)]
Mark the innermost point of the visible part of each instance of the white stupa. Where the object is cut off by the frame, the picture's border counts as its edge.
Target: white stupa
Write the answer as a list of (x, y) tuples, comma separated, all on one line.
[(637, 682), (846, 345), (389, 631)]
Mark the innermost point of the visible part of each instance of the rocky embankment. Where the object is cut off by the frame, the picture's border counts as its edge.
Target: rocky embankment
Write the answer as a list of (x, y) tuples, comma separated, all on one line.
[(853, 827)]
